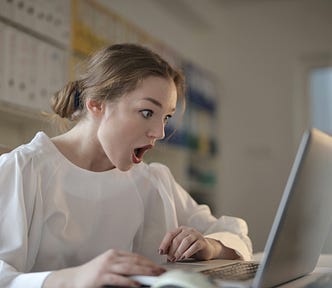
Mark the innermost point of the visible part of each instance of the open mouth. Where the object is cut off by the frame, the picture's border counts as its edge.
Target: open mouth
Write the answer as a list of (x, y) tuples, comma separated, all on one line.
[(139, 153)]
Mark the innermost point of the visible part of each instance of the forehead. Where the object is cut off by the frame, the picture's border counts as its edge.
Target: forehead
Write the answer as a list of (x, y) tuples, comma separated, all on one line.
[(155, 88)]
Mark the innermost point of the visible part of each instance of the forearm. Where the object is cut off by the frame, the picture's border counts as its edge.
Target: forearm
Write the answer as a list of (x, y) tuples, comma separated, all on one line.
[(214, 249), (220, 251), (60, 279)]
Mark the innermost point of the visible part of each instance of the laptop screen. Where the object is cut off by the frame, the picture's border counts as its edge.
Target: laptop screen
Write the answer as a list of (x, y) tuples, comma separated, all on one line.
[(304, 215)]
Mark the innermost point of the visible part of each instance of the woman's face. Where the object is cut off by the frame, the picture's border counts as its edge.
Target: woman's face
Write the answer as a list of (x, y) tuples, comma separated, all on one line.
[(132, 124)]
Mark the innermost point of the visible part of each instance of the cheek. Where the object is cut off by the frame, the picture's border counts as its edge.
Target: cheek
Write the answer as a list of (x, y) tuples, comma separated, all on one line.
[(127, 127), (115, 137)]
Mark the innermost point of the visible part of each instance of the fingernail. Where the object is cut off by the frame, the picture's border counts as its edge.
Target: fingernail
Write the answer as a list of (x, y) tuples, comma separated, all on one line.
[(182, 257), (160, 251)]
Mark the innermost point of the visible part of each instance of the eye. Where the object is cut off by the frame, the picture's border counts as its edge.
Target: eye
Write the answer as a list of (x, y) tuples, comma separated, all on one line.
[(147, 113), (167, 118)]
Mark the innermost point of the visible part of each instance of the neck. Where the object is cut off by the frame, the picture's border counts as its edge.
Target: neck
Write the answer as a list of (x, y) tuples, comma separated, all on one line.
[(80, 146)]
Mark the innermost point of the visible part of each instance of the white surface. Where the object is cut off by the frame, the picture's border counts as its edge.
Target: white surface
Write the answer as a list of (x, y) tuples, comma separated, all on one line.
[(144, 280), (182, 279), (324, 265)]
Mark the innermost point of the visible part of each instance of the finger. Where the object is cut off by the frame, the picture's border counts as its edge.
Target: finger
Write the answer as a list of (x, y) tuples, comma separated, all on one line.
[(129, 268), (193, 249), (176, 243), (167, 240), (129, 257), (185, 244), (127, 263)]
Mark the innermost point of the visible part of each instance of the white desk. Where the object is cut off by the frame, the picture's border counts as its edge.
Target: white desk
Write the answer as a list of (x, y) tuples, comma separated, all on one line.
[(325, 261), (324, 265)]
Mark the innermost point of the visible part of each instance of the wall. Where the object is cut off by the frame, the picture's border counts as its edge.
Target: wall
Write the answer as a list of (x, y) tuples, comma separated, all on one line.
[(256, 51), (268, 43)]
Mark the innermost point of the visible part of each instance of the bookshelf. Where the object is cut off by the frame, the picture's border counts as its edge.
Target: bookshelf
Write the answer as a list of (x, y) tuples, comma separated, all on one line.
[(41, 43)]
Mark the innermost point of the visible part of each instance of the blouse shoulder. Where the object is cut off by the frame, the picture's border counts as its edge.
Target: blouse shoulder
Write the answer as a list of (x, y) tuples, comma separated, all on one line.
[(25, 153), (161, 172), (159, 169), (160, 176), (157, 173)]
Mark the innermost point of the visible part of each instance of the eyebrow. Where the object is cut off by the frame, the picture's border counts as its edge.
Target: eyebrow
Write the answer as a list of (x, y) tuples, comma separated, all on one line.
[(155, 102)]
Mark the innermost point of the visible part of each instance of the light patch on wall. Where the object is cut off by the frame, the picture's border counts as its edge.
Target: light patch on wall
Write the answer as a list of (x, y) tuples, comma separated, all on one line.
[(321, 98)]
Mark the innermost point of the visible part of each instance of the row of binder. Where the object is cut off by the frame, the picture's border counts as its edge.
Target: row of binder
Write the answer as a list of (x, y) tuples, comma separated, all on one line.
[(46, 17), (196, 132), (95, 26), (202, 91), (31, 70), (199, 124)]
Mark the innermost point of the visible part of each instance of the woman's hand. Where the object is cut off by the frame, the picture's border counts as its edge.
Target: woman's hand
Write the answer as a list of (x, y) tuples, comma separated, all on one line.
[(184, 242), (110, 268)]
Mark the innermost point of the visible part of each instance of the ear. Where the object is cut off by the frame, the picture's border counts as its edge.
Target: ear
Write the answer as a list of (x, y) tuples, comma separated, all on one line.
[(95, 107)]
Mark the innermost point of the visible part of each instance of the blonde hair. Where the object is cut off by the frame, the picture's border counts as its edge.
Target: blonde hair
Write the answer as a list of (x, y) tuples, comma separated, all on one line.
[(111, 73)]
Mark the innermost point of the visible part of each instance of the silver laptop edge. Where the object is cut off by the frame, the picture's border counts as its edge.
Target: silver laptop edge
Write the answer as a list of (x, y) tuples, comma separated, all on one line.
[(311, 173)]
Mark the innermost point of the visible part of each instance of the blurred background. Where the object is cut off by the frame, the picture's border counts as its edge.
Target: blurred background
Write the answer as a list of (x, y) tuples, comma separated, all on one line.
[(259, 72)]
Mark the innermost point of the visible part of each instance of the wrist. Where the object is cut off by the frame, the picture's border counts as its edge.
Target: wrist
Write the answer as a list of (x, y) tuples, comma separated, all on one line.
[(216, 248), (221, 251)]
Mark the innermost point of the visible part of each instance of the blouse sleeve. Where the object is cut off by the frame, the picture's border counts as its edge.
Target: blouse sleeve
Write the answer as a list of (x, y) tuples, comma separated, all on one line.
[(19, 238), (232, 232)]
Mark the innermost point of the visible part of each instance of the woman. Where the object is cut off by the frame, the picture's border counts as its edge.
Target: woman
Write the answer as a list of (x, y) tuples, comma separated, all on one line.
[(82, 209)]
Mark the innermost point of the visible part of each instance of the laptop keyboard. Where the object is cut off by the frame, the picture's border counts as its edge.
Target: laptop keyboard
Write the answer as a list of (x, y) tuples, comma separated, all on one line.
[(235, 271)]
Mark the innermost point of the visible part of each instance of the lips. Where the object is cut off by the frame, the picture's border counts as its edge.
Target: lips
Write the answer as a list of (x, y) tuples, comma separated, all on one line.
[(138, 153)]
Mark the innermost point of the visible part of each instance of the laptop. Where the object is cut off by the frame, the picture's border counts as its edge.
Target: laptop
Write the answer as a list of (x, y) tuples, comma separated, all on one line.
[(300, 226)]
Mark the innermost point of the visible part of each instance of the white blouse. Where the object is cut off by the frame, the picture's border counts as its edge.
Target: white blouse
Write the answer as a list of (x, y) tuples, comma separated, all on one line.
[(54, 214)]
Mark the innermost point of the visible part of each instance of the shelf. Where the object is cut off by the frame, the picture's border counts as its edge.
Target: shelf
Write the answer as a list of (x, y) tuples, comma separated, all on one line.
[(190, 153), (14, 111), (33, 33)]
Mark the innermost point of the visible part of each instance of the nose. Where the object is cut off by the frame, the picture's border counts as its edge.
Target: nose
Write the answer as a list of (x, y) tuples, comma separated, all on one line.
[(157, 131)]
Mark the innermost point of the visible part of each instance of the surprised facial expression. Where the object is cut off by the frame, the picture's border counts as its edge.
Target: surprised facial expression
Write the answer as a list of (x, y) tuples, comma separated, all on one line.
[(131, 125)]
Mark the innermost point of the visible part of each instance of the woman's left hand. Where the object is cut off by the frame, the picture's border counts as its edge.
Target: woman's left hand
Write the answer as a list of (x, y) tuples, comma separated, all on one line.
[(185, 242)]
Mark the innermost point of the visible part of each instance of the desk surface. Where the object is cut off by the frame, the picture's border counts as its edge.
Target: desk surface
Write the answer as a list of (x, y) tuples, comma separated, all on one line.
[(325, 260), (324, 265)]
